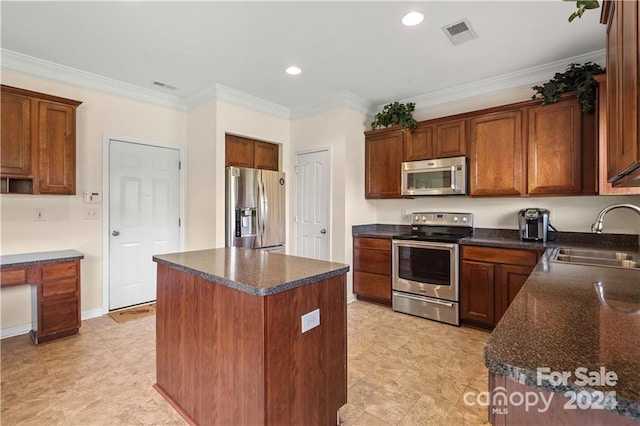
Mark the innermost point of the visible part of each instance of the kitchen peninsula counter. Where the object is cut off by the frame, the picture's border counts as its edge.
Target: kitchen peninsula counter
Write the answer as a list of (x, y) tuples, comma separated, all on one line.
[(230, 342), (568, 317)]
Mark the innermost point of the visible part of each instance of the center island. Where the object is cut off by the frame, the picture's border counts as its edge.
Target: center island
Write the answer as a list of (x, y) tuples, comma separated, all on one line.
[(247, 337)]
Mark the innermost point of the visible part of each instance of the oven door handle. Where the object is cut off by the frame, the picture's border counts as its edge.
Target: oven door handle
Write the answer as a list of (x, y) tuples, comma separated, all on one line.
[(425, 299)]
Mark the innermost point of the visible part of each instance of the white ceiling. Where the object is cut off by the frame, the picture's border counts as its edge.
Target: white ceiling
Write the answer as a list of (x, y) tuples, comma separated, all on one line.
[(359, 47)]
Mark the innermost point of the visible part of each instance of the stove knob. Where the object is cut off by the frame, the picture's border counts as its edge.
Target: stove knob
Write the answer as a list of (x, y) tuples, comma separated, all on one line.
[(424, 218), (416, 218), (455, 219), (464, 219)]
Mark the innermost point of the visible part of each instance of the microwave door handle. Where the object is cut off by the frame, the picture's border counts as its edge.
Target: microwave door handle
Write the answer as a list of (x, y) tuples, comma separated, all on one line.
[(453, 178)]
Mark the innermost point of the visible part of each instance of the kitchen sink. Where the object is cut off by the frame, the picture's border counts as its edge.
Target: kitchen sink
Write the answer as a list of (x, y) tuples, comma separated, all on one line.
[(607, 258)]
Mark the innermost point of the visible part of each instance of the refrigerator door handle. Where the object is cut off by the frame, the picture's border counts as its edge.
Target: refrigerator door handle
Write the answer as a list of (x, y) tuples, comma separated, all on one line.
[(261, 213)]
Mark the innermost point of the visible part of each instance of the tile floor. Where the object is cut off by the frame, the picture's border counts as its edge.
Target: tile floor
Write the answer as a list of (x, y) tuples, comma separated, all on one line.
[(402, 370)]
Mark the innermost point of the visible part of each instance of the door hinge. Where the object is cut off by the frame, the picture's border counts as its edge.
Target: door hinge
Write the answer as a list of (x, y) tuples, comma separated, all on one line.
[(295, 169), (179, 222), (179, 165)]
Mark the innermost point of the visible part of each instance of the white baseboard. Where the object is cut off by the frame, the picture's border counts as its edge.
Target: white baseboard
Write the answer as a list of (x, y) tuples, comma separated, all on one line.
[(25, 328)]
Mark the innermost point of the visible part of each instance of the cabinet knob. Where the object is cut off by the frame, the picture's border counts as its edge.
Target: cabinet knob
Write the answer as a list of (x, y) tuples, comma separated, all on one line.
[(115, 233)]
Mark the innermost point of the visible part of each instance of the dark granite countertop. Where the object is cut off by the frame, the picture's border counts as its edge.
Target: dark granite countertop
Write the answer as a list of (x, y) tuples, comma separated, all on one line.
[(252, 271), (568, 317), (379, 230), (28, 259)]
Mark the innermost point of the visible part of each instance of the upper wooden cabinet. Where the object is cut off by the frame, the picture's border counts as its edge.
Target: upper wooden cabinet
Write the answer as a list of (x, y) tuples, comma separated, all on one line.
[(440, 140), (496, 158), (623, 70), (605, 187), (383, 150), (245, 152), (555, 149), (38, 143)]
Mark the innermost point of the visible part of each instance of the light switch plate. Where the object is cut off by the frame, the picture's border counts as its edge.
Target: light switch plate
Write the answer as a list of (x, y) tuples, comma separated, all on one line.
[(310, 320)]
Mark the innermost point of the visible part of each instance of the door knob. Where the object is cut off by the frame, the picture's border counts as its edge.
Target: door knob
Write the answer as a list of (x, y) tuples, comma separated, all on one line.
[(323, 231), (115, 233)]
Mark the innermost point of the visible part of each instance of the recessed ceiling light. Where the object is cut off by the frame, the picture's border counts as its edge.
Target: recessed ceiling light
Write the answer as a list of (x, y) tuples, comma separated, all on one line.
[(293, 70), (412, 18)]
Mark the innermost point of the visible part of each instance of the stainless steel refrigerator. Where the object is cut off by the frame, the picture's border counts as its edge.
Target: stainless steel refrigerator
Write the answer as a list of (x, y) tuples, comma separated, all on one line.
[(255, 208)]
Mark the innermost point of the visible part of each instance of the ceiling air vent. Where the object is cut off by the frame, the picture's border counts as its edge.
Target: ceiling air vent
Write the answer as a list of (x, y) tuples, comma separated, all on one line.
[(460, 32), (165, 85)]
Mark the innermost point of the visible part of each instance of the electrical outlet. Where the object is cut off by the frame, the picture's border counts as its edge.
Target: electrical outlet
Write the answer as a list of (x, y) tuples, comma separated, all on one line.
[(310, 320), (39, 215), (91, 214)]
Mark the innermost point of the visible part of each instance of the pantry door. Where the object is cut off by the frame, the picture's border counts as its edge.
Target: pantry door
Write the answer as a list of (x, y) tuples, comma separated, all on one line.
[(313, 188), (144, 218)]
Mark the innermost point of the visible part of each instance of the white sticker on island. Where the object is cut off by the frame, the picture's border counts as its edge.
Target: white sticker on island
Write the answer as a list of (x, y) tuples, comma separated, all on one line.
[(310, 320)]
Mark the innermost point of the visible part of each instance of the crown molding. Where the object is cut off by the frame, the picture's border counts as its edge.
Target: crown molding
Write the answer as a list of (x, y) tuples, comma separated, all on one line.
[(342, 99), (13, 61), (502, 83), (221, 93)]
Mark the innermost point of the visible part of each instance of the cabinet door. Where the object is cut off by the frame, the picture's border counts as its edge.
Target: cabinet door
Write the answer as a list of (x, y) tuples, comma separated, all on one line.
[(450, 139), (57, 148), (238, 151), (496, 157), (59, 315), (265, 155), (477, 292), (628, 88), (372, 286), (418, 144), (555, 156), (383, 164), (16, 142), (510, 280)]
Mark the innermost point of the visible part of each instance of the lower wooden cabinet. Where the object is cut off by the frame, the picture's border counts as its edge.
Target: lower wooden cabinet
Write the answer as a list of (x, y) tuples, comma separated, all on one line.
[(490, 280), (372, 269)]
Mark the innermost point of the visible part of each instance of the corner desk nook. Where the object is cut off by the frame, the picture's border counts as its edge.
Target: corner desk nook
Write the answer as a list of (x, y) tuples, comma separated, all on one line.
[(54, 277)]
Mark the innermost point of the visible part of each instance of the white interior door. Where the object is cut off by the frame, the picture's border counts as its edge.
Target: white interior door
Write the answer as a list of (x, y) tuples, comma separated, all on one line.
[(144, 211), (313, 185)]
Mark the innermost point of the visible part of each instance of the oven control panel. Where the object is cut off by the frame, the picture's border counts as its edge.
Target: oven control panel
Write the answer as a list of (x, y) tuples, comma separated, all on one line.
[(442, 219)]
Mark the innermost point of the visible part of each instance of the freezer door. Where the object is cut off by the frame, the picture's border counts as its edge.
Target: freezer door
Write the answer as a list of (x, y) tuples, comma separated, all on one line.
[(241, 206), (270, 230)]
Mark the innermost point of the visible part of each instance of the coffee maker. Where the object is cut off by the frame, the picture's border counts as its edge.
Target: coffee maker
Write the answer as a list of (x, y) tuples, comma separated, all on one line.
[(534, 224)]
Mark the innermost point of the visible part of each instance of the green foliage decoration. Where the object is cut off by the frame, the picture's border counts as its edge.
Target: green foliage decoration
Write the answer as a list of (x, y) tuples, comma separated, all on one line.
[(582, 6), (577, 77), (395, 113)]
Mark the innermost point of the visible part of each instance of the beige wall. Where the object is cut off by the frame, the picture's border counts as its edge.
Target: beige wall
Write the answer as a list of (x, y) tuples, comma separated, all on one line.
[(65, 227)]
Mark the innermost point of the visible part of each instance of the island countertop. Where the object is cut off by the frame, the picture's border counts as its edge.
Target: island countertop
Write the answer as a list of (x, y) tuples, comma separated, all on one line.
[(252, 271), (568, 317)]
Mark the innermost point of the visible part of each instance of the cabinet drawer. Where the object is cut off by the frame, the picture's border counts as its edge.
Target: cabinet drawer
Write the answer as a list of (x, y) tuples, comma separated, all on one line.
[(372, 243), (372, 285), (59, 315), (500, 255), (56, 271), (67, 286), (374, 261), (13, 276)]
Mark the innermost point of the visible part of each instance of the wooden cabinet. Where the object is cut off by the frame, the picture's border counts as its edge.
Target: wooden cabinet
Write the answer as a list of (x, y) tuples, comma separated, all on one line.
[(623, 69), (383, 152), (55, 297), (604, 186), (450, 139), (496, 158), (38, 143), (245, 152), (490, 280), (439, 140), (372, 269), (555, 148)]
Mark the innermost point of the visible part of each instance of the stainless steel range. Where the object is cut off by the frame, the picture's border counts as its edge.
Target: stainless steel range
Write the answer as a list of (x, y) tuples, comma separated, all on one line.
[(425, 266)]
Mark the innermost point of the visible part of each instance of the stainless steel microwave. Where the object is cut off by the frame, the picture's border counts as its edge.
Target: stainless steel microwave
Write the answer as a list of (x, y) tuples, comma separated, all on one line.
[(443, 176)]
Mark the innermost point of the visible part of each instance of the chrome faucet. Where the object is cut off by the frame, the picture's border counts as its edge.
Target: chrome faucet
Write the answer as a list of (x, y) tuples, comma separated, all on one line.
[(597, 225)]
